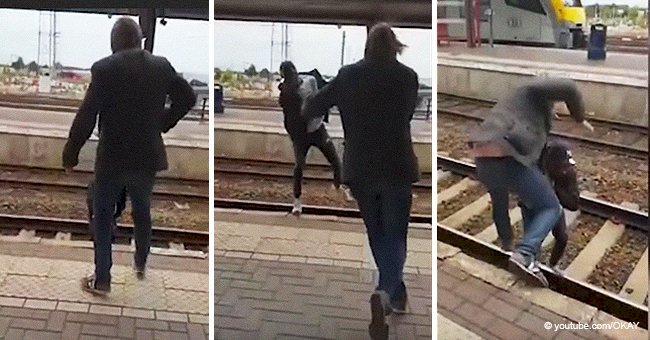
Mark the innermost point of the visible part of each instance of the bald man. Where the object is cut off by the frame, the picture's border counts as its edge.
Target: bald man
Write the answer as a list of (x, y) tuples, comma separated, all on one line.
[(127, 91)]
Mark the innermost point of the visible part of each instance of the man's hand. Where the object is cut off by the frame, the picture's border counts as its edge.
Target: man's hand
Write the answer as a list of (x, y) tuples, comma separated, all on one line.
[(587, 125)]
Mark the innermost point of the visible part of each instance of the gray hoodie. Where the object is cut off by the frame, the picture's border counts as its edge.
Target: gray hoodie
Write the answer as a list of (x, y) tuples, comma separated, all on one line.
[(520, 123)]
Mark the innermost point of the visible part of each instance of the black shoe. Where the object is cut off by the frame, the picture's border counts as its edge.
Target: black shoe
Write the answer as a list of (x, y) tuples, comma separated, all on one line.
[(379, 308), (337, 181), (89, 284), (138, 270), (400, 301)]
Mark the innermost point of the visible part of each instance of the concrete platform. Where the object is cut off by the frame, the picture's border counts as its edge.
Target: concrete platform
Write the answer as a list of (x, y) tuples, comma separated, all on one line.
[(282, 277), (615, 88), (30, 141), (491, 303), (260, 135), (41, 298)]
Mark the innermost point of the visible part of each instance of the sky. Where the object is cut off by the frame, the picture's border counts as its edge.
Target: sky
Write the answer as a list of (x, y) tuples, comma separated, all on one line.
[(239, 44), (85, 38)]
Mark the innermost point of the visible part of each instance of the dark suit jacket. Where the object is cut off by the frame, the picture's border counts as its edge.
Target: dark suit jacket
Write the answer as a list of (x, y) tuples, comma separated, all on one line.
[(376, 102), (521, 122), (128, 91)]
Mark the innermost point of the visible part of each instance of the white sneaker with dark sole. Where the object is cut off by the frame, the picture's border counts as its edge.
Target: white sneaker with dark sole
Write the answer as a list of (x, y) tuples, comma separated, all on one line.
[(529, 271), (297, 207)]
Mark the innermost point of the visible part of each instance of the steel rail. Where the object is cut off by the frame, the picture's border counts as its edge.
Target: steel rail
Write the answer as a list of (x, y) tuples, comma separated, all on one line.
[(80, 227), (227, 203), (621, 149), (597, 121), (603, 300), (593, 206)]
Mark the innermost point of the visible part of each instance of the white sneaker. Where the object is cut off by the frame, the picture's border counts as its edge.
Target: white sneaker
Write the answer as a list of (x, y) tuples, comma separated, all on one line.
[(348, 194), (297, 207), (557, 270)]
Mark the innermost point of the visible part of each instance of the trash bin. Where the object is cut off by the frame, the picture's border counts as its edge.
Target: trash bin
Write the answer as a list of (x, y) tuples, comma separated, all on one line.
[(578, 38), (218, 99), (597, 49)]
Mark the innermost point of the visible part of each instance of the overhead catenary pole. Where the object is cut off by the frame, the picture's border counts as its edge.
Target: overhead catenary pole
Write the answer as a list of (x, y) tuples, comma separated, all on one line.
[(272, 34), (54, 43), (343, 48), (49, 54)]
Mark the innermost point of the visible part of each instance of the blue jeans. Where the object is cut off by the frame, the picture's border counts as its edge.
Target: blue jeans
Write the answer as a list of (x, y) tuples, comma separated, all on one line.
[(504, 175), (385, 209), (108, 186)]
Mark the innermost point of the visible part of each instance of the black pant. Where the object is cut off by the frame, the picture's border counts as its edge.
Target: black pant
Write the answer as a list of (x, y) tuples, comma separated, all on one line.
[(301, 145), (119, 208), (108, 185)]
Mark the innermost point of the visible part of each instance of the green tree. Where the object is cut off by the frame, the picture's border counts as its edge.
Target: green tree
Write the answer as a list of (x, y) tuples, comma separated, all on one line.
[(226, 77), (264, 73), (32, 67), (251, 71), (18, 64)]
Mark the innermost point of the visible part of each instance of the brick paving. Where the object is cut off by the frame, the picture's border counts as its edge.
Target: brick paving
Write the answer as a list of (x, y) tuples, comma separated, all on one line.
[(494, 313), (26, 324), (259, 299), (41, 297)]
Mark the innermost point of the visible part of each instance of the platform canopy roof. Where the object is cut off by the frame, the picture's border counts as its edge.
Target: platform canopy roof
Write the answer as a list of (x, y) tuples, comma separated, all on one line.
[(169, 13), (399, 13)]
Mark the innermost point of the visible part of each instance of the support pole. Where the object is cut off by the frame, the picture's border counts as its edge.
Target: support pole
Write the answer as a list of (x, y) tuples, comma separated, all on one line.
[(148, 26), (469, 27)]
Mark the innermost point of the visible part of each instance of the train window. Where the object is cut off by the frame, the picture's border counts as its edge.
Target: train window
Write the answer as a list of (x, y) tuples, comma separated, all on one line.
[(527, 5), (485, 4)]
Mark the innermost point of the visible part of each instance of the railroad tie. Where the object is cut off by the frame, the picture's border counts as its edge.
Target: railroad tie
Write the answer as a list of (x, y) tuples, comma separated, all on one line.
[(637, 282), (464, 214), (570, 217), (490, 234), (586, 261), (456, 189), (442, 175)]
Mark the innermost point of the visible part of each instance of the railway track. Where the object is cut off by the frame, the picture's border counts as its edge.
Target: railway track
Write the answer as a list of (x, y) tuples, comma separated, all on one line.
[(78, 230), (44, 179), (599, 235), (267, 169), (420, 221), (56, 104), (616, 136)]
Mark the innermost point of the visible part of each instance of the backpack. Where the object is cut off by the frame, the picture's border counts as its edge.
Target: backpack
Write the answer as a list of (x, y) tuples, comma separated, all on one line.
[(320, 82), (558, 164)]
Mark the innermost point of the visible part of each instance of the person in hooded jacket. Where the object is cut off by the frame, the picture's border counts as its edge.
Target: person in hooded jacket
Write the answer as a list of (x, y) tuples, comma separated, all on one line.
[(506, 146), (304, 133), (559, 166)]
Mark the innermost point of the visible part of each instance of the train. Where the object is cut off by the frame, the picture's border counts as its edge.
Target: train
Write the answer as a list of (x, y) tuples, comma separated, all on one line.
[(555, 23)]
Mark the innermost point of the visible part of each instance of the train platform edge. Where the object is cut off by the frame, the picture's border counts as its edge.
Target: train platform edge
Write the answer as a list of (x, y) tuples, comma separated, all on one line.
[(41, 296), (481, 301), (279, 276)]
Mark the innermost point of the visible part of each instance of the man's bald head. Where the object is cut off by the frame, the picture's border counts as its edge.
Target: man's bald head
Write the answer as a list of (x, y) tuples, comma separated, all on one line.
[(126, 34)]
